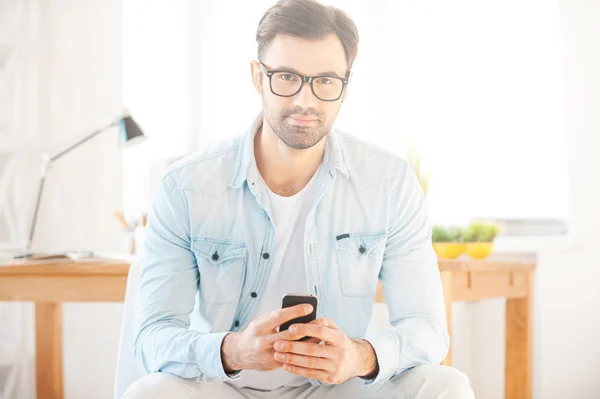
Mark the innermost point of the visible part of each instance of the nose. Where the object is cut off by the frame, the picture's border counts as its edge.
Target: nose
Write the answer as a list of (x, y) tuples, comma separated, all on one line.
[(305, 97)]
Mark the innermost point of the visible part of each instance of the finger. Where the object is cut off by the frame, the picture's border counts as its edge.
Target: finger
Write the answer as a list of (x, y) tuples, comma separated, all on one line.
[(274, 319), (308, 349), (314, 374), (285, 335), (312, 341), (321, 332), (280, 336), (326, 321), (309, 362), (289, 335)]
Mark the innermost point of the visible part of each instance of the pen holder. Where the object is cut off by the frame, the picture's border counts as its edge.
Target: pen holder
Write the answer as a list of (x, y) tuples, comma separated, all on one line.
[(139, 237), (129, 246), (133, 241)]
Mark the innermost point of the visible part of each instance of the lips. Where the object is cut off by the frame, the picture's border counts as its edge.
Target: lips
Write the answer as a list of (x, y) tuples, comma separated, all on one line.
[(302, 121), (302, 118)]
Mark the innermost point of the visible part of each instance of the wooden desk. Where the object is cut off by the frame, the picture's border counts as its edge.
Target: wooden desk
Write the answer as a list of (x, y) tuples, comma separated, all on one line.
[(48, 283), (469, 280)]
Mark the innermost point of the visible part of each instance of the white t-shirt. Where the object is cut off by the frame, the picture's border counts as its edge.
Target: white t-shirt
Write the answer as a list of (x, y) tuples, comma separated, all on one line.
[(287, 274)]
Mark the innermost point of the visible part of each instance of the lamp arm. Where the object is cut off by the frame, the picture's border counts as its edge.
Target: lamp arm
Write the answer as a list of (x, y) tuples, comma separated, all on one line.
[(47, 161), (82, 140)]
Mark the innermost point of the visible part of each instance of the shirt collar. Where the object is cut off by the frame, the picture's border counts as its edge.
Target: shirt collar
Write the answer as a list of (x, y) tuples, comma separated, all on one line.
[(333, 159)]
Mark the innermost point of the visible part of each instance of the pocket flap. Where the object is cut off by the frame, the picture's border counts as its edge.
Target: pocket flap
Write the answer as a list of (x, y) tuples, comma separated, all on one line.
[(362, 244), (217, 251)]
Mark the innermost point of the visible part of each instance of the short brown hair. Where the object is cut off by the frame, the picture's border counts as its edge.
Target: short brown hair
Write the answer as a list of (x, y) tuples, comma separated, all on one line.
[(307, 19)]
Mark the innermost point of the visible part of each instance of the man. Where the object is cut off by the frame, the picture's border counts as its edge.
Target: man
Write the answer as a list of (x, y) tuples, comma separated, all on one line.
[(292, 206)]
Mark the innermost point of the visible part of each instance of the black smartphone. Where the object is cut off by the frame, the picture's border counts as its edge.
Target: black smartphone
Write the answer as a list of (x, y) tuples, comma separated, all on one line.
[(297, 299)]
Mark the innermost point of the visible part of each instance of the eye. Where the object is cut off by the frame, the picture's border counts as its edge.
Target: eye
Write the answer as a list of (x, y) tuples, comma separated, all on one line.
[(288, 77), (325, 81)]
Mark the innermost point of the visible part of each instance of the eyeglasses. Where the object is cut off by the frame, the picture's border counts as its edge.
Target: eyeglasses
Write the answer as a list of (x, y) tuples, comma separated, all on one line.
[(288, 84)]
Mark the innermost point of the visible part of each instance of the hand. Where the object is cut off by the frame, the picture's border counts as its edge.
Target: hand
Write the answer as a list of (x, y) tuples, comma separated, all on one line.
[(252, 348), (338, 360)]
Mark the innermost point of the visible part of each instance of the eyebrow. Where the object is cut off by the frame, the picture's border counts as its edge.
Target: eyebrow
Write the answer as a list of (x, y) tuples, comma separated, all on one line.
[(293, 70)]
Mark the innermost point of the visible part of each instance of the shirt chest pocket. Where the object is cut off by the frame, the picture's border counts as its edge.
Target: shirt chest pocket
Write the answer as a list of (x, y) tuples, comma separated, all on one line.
[(359, 258), (221, 265)]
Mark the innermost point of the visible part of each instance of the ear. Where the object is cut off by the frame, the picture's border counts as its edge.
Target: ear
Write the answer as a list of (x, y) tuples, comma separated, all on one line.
[(345, 93), (347, 88), (256, 75)]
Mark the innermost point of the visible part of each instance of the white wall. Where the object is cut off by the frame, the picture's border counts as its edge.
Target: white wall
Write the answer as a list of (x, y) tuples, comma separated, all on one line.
[(568, 293), (157, 87), (567, 319)]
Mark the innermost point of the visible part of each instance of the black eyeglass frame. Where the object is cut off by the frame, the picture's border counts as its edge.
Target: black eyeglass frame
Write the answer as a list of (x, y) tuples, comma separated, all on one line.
[(305, 79)]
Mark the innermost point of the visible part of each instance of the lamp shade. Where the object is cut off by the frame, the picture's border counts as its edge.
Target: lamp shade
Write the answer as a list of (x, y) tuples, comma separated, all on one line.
[(130, 131)]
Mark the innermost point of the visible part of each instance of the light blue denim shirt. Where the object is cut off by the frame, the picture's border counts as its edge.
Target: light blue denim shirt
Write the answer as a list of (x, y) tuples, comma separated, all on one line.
[(209, 234)]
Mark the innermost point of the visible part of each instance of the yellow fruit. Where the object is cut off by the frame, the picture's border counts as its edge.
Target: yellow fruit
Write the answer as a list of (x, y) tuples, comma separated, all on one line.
[(479, 250), (449, 250)]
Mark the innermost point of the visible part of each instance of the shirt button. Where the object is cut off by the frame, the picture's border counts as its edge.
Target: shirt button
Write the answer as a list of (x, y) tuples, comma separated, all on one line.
[(215, 256), (266, 255), (362, 249), (254, 295), (237, 323)]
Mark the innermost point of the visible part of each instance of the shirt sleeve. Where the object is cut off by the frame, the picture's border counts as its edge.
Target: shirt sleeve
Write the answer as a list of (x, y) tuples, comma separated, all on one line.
[(168, 286), (412, 287)]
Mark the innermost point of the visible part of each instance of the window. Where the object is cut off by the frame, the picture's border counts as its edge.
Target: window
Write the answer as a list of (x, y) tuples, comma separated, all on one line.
[(476, 84)]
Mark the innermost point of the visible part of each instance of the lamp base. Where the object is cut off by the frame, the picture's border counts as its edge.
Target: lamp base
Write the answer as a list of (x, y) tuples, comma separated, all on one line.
[(40, 256), (51, 256)]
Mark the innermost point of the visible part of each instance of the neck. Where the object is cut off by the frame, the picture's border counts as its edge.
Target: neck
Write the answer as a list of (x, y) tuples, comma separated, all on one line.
[(285, 170)]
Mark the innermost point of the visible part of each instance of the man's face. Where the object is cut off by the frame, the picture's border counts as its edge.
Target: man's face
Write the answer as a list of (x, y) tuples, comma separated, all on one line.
[(300, 121)]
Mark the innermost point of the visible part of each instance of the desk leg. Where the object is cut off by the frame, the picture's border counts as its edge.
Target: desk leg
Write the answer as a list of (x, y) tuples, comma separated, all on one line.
[(48, 341), (447, 286), (519, 345)]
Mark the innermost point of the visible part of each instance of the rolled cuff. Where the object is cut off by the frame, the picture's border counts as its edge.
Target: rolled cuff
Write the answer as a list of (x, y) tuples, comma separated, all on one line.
[(209, 361), (386, 350)]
